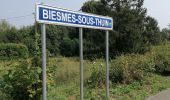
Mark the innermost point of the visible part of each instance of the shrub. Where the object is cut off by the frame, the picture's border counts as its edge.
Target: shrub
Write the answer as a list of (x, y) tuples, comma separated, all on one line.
[(134, 67), (13, 51), (97, 77), (162, 59), (125, 69), (22, 83)]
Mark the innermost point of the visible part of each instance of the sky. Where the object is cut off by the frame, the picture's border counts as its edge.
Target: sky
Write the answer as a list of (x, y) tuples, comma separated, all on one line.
[(20, 12)]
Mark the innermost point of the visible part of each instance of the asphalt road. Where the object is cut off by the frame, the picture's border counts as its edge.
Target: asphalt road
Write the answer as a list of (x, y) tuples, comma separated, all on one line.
[(164, 95)]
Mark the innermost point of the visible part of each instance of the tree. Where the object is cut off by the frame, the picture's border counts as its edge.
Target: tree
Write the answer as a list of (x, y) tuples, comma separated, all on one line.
[(69, 47), (95, 7), (94, 40), (55, 35), (152, 31), (128, 16), (4, 25), (24, 35), (28, 38), (166, 32)]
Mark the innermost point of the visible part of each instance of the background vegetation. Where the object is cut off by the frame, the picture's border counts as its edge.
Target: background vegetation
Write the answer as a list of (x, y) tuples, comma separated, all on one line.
[(139, 56)]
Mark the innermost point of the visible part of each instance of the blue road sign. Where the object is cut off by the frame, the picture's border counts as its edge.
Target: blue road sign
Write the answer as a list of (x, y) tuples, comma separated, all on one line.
[(52, 15)]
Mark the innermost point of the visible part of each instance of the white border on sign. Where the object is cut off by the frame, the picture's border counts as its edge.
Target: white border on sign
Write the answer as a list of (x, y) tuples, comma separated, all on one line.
[(68, 24)]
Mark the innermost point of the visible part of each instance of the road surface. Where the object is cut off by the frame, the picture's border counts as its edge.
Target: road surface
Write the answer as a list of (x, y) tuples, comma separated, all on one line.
[(164, 95)]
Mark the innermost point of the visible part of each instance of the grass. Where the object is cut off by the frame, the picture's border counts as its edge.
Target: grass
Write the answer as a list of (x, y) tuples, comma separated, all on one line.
[(138, 91), (67, 78), (68, 87), (63, 81), (64, 73)]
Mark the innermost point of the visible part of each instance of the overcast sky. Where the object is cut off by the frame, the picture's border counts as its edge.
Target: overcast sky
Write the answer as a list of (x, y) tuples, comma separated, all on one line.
[(19, 12)]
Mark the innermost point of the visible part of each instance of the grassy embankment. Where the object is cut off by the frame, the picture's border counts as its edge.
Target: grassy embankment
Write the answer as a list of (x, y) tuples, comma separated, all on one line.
[(67, 84), (63, 80)]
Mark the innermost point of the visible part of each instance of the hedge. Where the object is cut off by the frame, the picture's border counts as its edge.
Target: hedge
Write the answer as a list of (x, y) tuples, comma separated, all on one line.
[(13, 51)]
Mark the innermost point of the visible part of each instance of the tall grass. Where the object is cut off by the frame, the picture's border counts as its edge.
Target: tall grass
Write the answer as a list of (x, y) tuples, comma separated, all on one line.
[(63, 75), (66, 75)]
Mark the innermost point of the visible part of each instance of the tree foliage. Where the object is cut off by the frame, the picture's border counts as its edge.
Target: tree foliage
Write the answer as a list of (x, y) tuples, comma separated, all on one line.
[(131, 24), (151, 31), (55, 36), (166, 33), (133, 31), (13, 51)]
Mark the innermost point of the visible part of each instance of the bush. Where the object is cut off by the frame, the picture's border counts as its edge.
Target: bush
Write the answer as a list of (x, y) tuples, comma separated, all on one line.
[(162, 59), (134, 67), (22, 83), (13, 51), (97, 77), (126, 69)]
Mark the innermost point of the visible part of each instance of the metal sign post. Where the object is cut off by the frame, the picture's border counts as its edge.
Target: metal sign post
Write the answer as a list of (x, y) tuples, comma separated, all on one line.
[(43, 31), (52, 15), (107, 65), (81, 62)]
